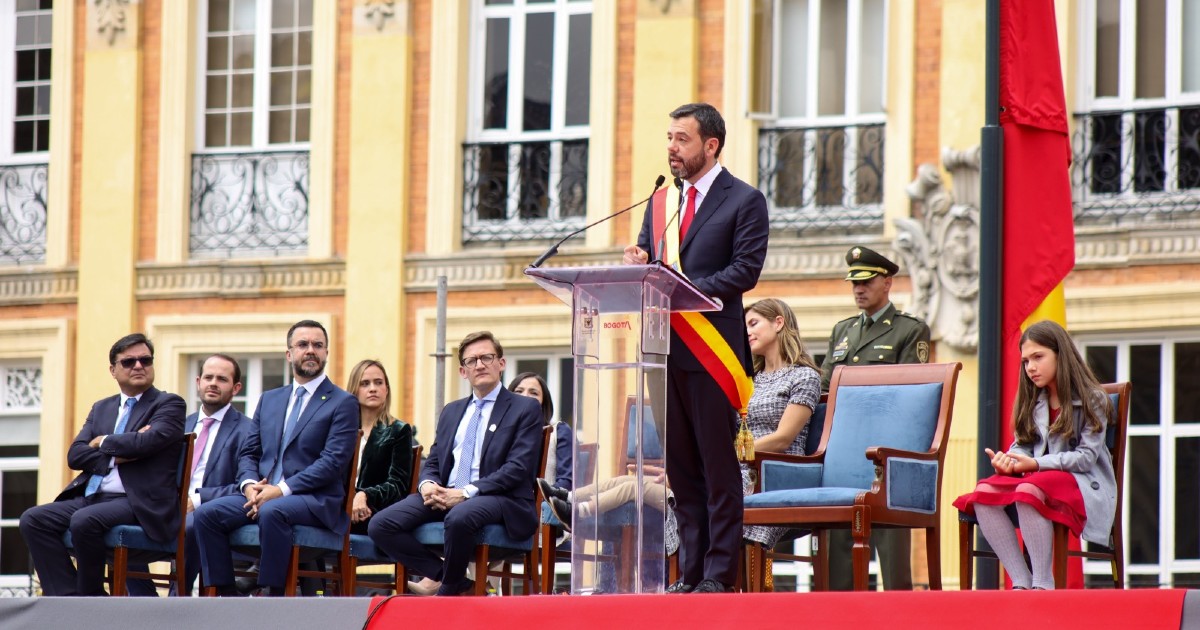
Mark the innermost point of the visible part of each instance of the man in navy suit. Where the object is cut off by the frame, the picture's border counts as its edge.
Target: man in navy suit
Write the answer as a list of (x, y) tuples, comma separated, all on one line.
[(480, 470), (220, 430), (292, 467), (127, 453), (722, 246)]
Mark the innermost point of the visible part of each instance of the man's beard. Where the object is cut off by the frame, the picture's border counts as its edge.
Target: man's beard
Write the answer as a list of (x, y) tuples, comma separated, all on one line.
[(689, 168), (298, 367)]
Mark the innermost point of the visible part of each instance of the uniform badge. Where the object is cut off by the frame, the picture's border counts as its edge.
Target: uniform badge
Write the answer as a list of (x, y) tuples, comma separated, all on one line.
[(856, 253), (923, 351)]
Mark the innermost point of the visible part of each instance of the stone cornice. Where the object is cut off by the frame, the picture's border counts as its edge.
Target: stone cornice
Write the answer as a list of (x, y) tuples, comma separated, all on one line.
[(19, 286), (1107, 246), (240, 279)]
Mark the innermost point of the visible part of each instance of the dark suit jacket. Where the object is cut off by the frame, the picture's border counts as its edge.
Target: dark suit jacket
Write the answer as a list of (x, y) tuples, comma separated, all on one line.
[(385, 472), (722, 254), (220, 474), (317, 456), (512, 447), (150, 477)]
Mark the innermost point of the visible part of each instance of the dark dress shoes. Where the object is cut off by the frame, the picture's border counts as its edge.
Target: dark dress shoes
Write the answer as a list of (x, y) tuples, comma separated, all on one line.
[(711, 586), (550, 490), (679, 587), (562, 511), (463, 588)]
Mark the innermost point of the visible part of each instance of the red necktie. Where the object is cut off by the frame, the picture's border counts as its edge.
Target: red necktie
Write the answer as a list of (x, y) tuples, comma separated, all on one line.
[(201, 442), (689, 212)]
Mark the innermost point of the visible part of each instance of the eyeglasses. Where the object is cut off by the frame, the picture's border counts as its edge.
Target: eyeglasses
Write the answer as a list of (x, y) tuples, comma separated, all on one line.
[(128, 363), (485, 359), (304, 345)]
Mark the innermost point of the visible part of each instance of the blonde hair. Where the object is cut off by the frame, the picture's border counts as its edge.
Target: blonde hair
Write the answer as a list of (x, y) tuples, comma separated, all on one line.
[(384, 416), (791, 344)]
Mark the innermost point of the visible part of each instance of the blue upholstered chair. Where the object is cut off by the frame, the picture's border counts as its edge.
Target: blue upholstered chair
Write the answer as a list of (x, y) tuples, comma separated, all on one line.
[(129, 542), (758, 559), (879, 464), (361, 550), (1115, 432), (308, 543), (493, 542)]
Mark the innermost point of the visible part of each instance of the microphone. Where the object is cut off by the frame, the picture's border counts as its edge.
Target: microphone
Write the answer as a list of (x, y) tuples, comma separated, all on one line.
[(662, 240), (554, 248)]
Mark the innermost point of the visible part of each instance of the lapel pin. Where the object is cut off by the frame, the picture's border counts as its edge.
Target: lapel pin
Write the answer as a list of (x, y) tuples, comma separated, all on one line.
[(492, 428), (322, 398)]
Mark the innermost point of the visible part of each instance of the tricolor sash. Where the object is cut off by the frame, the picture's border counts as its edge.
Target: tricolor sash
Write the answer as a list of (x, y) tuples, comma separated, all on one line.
[(697, 333)]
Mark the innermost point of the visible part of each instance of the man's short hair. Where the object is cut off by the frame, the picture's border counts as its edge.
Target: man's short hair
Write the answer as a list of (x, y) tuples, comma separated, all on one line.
[(482, 335), (306, 323), (712, 125), (127, 342), (237, 368)]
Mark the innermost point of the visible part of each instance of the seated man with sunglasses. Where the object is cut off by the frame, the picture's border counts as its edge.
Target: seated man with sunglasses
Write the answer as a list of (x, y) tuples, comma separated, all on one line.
[(127, 453)]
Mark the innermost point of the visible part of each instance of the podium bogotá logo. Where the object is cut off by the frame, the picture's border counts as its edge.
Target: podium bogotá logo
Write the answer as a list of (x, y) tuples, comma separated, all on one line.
[(618, 325)]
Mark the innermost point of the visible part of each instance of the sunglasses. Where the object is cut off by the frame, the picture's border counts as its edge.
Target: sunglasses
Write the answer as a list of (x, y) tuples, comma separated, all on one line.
[(128, 364)]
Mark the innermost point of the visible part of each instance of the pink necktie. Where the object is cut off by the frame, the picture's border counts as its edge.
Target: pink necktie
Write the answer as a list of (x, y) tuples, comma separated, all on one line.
[(689, 213), (201, 442)]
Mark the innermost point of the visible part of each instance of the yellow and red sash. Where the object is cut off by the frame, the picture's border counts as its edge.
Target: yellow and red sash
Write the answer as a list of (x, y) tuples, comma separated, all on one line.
[(694, 329)]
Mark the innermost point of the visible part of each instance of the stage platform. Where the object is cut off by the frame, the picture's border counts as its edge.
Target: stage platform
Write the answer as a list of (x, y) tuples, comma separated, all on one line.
[(978, 610)]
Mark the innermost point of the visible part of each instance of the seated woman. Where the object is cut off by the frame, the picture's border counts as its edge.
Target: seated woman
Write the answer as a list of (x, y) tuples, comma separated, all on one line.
[(787, 387), (385, 452), (558, 458), (609, 494)]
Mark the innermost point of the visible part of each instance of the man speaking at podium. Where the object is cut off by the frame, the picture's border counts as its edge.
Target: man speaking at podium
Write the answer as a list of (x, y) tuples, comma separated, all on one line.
[(718, 239)]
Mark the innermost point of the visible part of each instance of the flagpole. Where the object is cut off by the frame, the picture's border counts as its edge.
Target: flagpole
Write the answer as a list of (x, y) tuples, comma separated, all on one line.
[(991, 222)]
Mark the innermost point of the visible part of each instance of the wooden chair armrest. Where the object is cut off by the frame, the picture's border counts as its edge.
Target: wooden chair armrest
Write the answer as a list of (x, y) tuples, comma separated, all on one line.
[(880, 454)]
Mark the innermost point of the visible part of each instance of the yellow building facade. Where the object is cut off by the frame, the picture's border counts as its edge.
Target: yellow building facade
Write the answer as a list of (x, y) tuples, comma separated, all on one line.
[(211, 171)]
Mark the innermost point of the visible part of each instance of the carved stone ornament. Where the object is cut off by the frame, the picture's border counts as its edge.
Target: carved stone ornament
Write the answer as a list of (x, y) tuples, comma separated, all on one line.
[(941, 249), (378, 12), (110, 18)]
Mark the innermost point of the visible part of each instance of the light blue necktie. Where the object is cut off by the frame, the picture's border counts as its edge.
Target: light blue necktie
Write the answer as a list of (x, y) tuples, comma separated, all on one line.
[(94, 483), (467, 459), (288, 427)]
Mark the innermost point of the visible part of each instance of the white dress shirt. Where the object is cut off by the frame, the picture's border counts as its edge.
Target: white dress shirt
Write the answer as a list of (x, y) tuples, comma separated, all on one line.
[(201, 467)]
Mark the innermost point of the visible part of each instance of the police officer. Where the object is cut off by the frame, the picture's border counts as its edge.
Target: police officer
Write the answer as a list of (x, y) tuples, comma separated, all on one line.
[(879, 334)]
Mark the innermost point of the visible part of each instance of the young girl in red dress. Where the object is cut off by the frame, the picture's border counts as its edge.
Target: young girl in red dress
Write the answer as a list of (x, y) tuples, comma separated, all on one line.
[(1058, 468)]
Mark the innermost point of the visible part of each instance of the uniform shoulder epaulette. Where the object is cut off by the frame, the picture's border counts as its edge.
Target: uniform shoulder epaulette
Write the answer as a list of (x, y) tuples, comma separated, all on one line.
[(910, 316), (849, 319)]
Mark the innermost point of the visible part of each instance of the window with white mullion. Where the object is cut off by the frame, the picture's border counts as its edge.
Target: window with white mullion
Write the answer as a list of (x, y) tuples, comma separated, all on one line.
[(25, 53), (853, 27), (255, 66)]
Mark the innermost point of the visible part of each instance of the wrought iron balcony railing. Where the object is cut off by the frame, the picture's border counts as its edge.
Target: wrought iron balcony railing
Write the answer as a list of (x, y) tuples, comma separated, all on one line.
[(249, 204), (524, 190), (23, 214), (821, 179), (1137, 164)]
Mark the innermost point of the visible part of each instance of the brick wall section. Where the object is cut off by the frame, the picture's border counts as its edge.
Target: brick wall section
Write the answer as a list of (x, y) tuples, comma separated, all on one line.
[(148, 154), (341, 125), (712, 53), (77, 125), (927, 88), (418, 129), (623, 143)]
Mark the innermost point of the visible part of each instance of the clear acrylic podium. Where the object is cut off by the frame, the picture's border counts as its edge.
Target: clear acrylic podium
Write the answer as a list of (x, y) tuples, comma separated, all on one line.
[(621, 335)]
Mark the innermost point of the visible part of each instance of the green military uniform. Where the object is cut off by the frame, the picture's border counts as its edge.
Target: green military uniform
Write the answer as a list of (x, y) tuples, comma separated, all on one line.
[(895, 337), (892, 337)]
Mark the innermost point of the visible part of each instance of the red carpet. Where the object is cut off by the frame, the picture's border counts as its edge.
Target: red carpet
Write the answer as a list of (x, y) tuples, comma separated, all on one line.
[(978, 610)]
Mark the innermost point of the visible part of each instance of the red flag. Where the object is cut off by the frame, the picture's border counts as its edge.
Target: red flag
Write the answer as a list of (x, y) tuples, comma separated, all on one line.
[(1039, 229)]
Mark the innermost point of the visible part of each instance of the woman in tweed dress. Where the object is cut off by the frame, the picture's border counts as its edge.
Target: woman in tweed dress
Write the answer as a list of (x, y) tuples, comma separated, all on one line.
[(787, 386)]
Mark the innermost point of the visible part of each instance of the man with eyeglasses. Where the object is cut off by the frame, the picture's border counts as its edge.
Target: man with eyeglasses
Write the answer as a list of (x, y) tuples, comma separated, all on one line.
[(292, 468), (127, 453), (480, 470)]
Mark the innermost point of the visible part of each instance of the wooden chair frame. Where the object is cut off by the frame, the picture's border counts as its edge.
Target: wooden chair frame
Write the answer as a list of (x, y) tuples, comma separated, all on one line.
[(349, 562), (870, 508), (294, 572), (1115, 554), (120, 554)]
